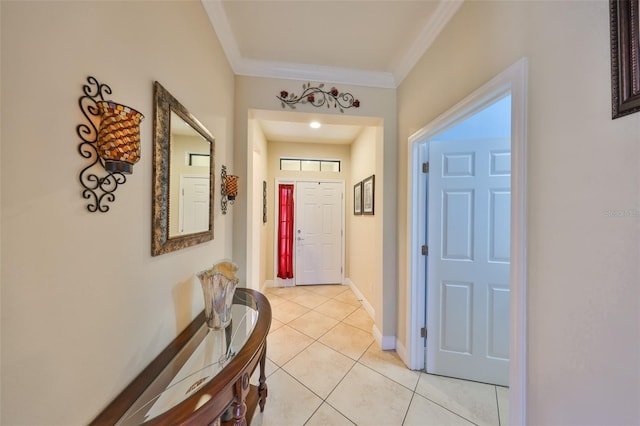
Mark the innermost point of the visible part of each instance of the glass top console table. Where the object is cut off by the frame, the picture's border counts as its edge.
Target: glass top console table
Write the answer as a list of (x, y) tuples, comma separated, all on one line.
[(202, 377)]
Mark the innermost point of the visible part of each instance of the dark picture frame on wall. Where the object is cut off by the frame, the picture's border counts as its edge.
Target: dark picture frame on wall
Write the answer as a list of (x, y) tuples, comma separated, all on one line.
[(264, 201), (357, 198), (625, 57), (368, 195)]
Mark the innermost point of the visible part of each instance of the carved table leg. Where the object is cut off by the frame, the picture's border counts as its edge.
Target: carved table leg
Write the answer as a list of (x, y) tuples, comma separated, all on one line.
[(262, 387), (239, 404)]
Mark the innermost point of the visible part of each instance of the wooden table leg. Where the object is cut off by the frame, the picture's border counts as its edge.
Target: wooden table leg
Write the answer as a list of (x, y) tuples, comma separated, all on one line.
[(239, 405), (262, 387)]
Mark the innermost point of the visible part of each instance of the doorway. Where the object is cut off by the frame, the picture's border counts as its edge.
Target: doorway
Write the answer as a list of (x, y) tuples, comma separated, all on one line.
[(318, 237), (513, 81), (318, 233)]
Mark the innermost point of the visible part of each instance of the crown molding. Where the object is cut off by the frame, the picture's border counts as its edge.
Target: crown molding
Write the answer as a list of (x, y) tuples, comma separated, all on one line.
[(303, 72), (295, 71), (441, 17), (220, 24)]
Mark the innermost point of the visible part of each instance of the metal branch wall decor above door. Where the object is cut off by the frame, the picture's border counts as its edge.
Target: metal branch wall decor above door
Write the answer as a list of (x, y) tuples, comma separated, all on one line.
[(317, 97)]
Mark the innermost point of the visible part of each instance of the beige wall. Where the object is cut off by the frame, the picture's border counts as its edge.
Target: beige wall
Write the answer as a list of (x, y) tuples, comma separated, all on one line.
[(257, 272), (84, 305), (583, 297), (365, 237)]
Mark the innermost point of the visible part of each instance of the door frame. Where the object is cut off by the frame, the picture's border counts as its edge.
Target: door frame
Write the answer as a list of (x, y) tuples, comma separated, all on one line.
[(294, 181), (514, 80)]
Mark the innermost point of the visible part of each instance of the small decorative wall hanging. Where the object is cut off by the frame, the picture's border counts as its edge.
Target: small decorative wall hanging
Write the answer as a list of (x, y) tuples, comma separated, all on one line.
[(228, 188), (111, 138), (357, 198), (317, 96), (368, 194), (264, 201)]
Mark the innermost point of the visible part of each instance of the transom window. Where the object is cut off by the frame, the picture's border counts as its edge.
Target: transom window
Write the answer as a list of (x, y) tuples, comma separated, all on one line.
[(197, 159), (309, 165)]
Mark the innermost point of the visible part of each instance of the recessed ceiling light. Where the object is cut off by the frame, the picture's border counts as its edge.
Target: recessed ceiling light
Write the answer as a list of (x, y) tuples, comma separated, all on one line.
[(315, 125)]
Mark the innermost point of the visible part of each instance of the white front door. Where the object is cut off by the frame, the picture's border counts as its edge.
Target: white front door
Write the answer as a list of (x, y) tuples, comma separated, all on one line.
[(318, 233), (468, 259), (194, 204)]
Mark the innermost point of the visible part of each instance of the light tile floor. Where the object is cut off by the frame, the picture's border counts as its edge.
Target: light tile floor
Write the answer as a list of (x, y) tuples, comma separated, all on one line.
[(324, 369)]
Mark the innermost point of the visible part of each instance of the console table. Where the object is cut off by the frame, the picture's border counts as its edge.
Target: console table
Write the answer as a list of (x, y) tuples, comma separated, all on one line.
[(203, 376)]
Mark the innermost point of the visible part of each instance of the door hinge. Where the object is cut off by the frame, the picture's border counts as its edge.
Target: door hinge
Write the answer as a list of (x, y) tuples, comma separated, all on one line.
[(425, 250), (425, 167), (423, 332)]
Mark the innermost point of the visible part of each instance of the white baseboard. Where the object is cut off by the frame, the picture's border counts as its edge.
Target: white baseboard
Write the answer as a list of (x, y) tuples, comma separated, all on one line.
[(279, 282), (402, 353), (386, 343), (365, 303), (267, 284)]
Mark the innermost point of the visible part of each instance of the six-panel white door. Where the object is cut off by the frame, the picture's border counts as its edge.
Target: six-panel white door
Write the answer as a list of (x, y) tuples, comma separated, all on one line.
[(468, 259), (194, 204), (318, 233)]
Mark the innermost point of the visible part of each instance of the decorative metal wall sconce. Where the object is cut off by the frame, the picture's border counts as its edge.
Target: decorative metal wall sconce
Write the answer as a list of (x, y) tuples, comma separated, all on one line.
[(228, 188), (317, 96), (111, 138)]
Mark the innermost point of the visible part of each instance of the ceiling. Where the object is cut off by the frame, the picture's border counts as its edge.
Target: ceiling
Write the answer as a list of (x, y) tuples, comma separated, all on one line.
[(372, 43)]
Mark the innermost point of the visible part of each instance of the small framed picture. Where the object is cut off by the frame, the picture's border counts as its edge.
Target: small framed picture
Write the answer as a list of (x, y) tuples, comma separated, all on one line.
[(368, 194), (357, 198), (264, 201)]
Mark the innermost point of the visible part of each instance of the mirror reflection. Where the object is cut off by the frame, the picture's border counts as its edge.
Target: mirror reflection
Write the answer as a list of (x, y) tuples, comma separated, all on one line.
[(183, 159), (189, 180)]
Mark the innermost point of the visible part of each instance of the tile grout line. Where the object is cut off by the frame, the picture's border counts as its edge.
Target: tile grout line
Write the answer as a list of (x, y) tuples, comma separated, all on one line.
[(356, 361), (325, 400), (495, 388), (317, 340)]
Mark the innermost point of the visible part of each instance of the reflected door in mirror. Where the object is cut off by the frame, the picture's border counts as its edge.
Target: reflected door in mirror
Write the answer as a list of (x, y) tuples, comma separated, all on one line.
[(189, 173)]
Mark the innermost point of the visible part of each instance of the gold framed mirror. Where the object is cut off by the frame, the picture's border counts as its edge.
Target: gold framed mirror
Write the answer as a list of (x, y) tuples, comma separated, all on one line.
[(183, 176)]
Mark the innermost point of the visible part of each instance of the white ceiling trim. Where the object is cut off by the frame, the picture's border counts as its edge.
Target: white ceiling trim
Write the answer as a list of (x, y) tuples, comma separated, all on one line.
[(284, 70), (440, 18), (220, 23), (295, 71), (316, 73)]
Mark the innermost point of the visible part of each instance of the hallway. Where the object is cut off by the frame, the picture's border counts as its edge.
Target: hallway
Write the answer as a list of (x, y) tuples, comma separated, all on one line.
[(324, 368)]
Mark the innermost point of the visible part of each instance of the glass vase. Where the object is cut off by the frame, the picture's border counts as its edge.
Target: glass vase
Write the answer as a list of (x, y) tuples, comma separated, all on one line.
[(218, 286)]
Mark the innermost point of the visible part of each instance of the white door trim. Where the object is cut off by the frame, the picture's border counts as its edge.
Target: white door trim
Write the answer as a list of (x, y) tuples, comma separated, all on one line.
[(294, 181), (514, 80)]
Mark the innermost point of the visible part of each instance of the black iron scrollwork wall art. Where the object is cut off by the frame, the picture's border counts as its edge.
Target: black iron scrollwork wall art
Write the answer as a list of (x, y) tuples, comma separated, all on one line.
[(223, 189), (117, 127), (317, 96)]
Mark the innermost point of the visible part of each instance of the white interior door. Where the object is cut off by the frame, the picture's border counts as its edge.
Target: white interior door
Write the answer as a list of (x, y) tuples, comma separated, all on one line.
[(468, 260), (194, 204), (318, 233)]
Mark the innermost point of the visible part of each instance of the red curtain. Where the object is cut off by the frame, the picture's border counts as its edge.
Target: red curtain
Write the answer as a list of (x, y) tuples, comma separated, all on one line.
[(285, 231)]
